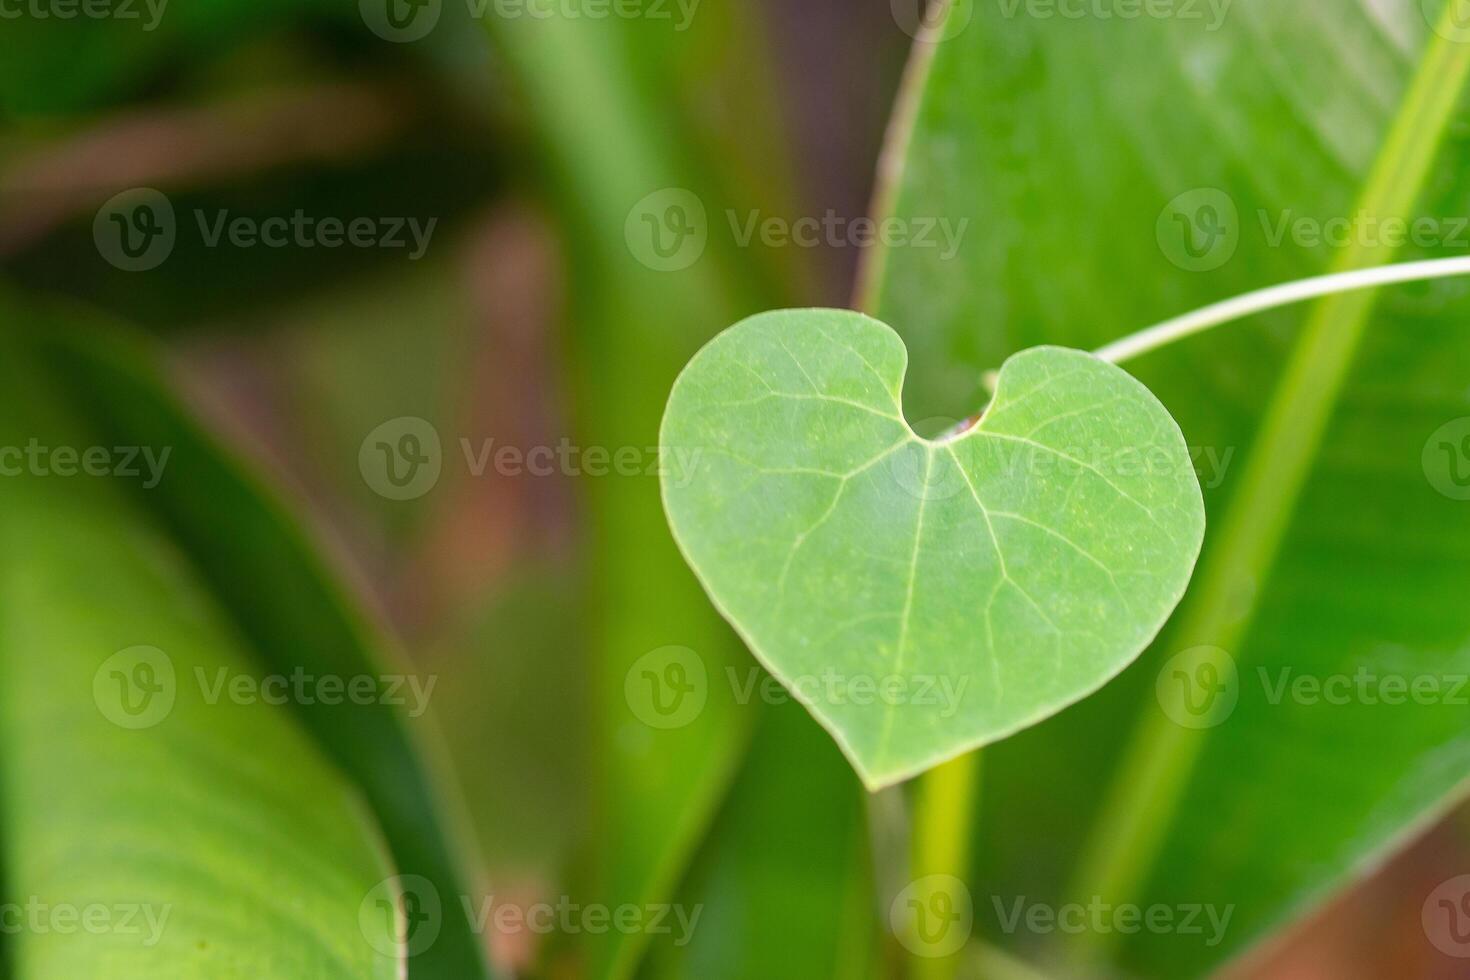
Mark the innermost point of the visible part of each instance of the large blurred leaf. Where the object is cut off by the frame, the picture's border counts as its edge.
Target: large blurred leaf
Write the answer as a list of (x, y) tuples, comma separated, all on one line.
[(1083, 152), (266, 575), (148, 829), (598, 91), (768, 896)]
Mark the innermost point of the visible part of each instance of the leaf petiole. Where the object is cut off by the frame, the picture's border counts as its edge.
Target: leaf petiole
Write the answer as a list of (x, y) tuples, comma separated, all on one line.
[(1273, 297), (944, 820)]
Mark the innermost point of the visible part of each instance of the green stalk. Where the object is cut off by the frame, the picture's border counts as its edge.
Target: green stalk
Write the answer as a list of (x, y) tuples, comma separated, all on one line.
[(942, 829), (1157, 764)]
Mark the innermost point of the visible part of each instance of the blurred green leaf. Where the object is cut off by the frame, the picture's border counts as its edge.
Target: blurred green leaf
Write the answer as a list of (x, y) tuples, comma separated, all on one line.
[(783, 886), (66, 58), (148, 828), (611, 147), (514, 711), (1117, 172), (850, 553), (265, 574)]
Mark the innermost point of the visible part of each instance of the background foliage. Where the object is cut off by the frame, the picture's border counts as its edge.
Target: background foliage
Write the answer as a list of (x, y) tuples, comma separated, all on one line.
[(537, 317)]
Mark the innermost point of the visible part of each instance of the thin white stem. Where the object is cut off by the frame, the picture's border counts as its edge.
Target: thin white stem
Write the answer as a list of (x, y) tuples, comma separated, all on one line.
[(1239, 307)]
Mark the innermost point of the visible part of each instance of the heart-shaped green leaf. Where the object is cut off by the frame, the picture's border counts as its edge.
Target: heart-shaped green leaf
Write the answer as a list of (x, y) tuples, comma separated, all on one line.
[(925, 597)]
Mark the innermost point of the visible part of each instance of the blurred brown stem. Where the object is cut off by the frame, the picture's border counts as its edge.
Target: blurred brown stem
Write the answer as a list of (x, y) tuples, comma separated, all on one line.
[(42, 187)]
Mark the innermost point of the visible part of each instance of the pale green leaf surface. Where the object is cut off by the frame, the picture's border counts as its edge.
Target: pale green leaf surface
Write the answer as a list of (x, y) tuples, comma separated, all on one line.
[(214, 839), (926, 597), (261, 568)]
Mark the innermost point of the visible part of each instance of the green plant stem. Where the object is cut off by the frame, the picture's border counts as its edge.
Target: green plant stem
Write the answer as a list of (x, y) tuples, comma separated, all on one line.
[(1274, 297), (1157, 764), (942, 829), (895, 155)]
